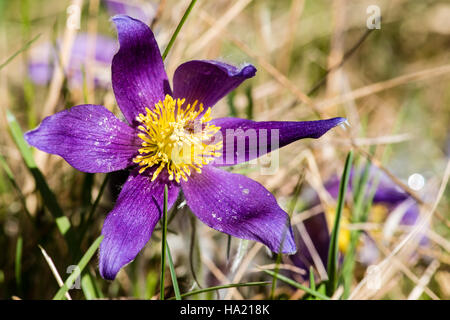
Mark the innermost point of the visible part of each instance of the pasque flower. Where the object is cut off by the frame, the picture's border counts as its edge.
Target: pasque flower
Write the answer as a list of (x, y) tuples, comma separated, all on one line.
[(170, 139), (88, 51), (44, 58), (388, 197), (141, 10)]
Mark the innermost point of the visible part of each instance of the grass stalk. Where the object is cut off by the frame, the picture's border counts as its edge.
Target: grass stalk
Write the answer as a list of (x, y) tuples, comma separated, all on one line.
[(333, 252), (177, 30), (163, 244), (78, 269)]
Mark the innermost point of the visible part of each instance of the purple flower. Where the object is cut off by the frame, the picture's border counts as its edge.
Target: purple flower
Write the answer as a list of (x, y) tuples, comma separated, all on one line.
[(44, 58), (141, 10), (170, 139), (388, 197)]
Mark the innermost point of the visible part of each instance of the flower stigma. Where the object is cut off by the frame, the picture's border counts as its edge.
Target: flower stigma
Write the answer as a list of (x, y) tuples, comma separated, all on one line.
[(176, 137)]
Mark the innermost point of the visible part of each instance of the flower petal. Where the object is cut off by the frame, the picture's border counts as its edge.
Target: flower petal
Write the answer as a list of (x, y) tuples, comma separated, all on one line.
[(130, 224), (44, 57), (245, 140), (138, 76), (144, 11), (387, 192), (368, 252), (317, 236), (40, 72), (89, 137), (236, 205), (208, 81)]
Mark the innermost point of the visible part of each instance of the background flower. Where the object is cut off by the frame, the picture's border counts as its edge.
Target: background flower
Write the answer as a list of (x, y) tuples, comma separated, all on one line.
[(142, 10), (45, 56), (387, 199)]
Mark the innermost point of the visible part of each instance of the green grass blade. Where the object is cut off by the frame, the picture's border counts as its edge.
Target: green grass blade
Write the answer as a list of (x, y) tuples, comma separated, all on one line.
[(232, 110), (312, 281), (177, 30), (249, 111), (163, 244), (228, 247), (151, 283), (17, 135), (29, 96), (360, 194), (15, 54), (96, 284), (49, 197), (6, 168), (226, 286), (13, 182), (28, 86), (194, 251), (88, 287), (357, 217), (275, 274), (176, 289), (18, 264), (86, 190), (333, 252), (90, 216), (297, 285), (80, 267)]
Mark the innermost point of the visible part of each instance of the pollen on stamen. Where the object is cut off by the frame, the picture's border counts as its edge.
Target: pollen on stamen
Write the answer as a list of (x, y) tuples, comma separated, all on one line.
[(173, 138)]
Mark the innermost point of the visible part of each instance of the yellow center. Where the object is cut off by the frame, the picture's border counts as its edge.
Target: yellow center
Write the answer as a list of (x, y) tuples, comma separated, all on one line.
[(344, 233), (177, 138), (378, 214)]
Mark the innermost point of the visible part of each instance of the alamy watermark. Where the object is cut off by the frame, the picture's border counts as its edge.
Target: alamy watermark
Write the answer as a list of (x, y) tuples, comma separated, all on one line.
[(374, 19), (256, 147), (73, 17), (71, 269)]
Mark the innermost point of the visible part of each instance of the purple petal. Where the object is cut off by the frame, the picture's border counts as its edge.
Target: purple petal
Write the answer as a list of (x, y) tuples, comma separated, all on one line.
[(40, 72), (144, 11), (130, 224), (138, 76), (387, 191), (44, 57), (88, 137), (244, 140), (105, 48), (208, 81), (412, 214), (236, 205), (332, 185), (317, 229), (368, 252)]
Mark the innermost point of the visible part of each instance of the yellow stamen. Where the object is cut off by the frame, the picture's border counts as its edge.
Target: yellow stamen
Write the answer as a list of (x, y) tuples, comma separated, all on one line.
[(378, 214), (344, 233), (175, 138)]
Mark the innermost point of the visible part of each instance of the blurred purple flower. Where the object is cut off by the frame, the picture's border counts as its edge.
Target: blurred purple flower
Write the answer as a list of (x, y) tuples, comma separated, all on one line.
[(45, 57), (143, 10), (388, 197), (161, 124)]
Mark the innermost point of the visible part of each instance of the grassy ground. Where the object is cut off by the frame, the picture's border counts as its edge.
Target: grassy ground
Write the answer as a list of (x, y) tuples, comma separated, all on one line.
[(315, 59)]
